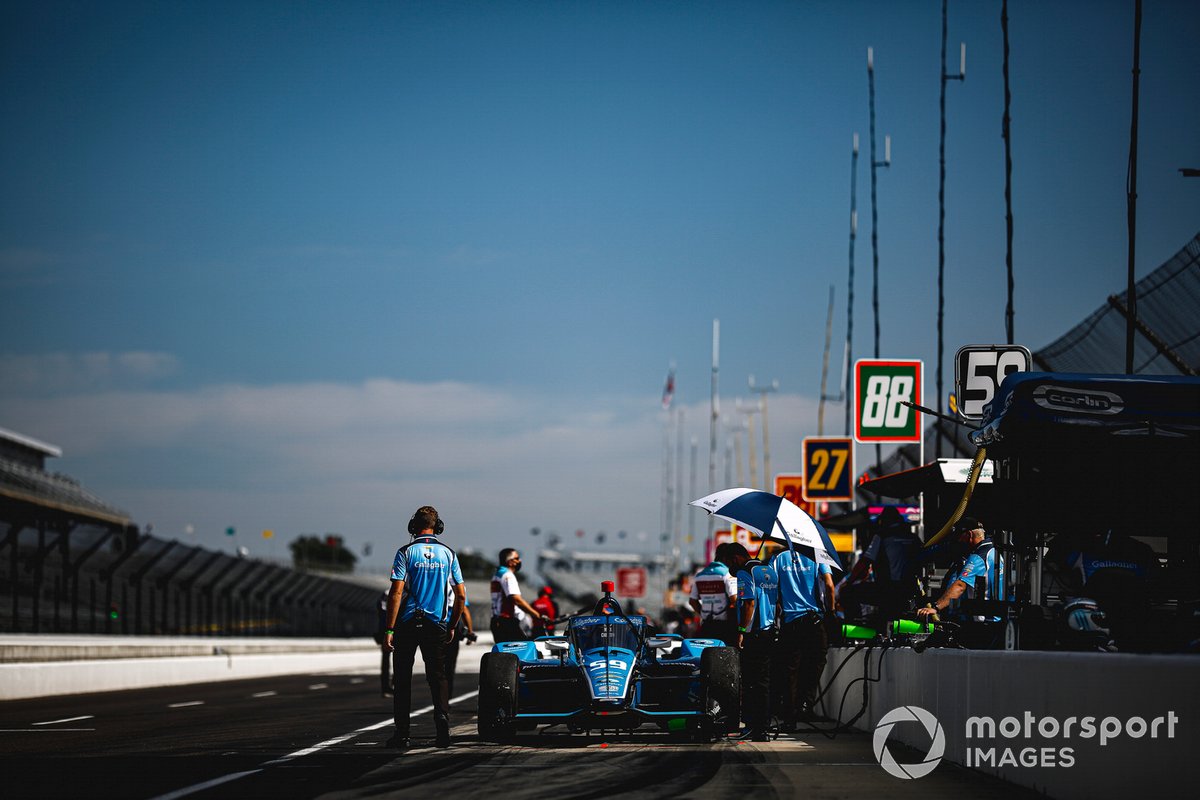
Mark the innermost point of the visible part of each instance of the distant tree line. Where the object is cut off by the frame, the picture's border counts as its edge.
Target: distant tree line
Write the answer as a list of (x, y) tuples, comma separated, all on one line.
[(327, 554)]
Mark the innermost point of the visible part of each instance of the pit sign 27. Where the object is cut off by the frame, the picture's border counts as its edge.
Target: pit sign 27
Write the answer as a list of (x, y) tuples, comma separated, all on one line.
[(828, 468), (979, 369), (880, 386)]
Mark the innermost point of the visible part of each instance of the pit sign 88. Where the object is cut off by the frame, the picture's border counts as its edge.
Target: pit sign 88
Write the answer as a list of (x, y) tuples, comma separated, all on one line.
[(880, 390)]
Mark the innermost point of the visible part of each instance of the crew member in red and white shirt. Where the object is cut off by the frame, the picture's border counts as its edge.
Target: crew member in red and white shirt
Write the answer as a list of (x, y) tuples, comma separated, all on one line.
[(510, 611)]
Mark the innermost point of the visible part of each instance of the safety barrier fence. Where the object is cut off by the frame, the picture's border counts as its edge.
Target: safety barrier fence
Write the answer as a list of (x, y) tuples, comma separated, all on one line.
[(61, 577)]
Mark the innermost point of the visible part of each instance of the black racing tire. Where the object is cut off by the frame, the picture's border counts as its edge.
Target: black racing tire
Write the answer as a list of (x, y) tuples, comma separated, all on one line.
[(721, 676), (497, 696)]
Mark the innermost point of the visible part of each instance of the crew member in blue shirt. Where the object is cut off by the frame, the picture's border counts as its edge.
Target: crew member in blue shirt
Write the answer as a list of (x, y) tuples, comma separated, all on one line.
[(979, 575), (757, 597), (803, 641), (420, 616)]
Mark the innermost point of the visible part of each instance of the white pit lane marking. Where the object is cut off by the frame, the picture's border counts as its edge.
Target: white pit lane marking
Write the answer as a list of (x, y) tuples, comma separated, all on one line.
[(264, 694), (315, 686), (68, 719), (185, 705), (199, 787)]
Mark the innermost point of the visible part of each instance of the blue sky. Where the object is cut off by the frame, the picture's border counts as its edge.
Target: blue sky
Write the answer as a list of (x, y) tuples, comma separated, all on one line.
[(308, 266)]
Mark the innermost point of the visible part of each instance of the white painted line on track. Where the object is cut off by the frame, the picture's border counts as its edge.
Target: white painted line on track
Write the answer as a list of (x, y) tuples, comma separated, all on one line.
[(43, 730), (185, 705), (68, 719), (199, 787), (264, 694), (315, 686)]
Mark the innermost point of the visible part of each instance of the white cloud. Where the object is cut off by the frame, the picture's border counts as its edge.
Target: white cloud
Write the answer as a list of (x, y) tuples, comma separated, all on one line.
[(27, 266), (356, 458), (46, 373)]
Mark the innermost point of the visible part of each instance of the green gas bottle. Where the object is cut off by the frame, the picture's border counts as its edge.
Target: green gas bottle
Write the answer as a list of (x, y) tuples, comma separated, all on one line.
[(910, 626), (858, 632)]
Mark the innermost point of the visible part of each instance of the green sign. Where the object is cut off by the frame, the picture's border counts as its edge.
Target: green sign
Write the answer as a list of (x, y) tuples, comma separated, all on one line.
[(880, 389)]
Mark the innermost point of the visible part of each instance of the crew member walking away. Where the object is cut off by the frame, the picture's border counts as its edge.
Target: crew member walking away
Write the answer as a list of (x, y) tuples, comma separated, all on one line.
[(803, 640), (758, 594), (509, 609), (419, 616), (465, 632), (714, 597), (545, 606)]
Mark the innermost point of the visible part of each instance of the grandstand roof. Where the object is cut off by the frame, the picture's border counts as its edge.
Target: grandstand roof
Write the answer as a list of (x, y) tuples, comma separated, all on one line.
[(22, 480)]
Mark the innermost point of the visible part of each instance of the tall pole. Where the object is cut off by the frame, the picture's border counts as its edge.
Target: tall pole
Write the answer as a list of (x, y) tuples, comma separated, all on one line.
[(749, 412), (941, 275), (824, 365), (664, 518), (681, 508), (729, 461), (1131, 191), (737, 429), (715, 404), (887, 162), (1006, 132), (762, 407), (850, 293), (695, 448)]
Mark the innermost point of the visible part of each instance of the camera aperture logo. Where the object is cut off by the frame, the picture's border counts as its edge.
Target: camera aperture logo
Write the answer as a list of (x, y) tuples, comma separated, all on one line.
[(884, 756)]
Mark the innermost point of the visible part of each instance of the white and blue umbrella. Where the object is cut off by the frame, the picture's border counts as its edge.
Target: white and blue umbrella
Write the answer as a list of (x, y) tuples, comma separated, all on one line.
[(772, 517)]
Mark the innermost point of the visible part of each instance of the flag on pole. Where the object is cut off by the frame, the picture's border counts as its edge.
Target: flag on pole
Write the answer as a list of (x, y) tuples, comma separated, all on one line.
[(669, 389)]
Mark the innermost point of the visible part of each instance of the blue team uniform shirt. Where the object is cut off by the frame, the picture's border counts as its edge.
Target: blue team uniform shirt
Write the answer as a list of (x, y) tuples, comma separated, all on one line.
[(799, 577), (760, 584), (426, 566), (984, 566)]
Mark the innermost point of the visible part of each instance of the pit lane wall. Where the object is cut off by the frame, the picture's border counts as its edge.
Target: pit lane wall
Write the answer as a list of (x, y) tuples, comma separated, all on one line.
[(1024, 716), (34, 665)]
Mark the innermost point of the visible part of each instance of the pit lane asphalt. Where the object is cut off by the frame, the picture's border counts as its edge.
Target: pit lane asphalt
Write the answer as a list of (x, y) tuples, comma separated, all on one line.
[(321, 736)]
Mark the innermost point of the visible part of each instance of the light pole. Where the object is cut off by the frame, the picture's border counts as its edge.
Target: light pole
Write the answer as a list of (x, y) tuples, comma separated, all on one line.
[(715, 406), (763, 391), (941, 277), (1006, 134), (1131, 190), (749, 411), (887, 162), (682, 509), (850, 293)]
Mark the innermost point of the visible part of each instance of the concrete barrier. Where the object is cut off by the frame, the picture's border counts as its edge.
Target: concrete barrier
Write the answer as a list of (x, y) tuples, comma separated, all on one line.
[(1048, 721), (40, 666)]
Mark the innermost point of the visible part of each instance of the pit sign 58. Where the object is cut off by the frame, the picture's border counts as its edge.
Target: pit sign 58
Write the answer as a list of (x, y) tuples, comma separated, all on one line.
[(979, 369), (880, 387)]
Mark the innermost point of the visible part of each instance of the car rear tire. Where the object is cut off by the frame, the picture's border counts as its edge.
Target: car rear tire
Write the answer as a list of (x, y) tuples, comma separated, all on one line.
[(497, 696), (721, 676)]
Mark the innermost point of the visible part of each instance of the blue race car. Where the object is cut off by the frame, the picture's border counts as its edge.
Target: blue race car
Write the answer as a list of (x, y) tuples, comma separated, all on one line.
[(607, 674)]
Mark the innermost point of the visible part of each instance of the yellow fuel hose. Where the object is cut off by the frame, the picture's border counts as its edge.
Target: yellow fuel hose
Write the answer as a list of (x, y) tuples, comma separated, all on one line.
[(976, 469)]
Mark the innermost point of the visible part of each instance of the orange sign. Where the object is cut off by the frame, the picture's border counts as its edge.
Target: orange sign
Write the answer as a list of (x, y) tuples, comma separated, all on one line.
[(790, 486)]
